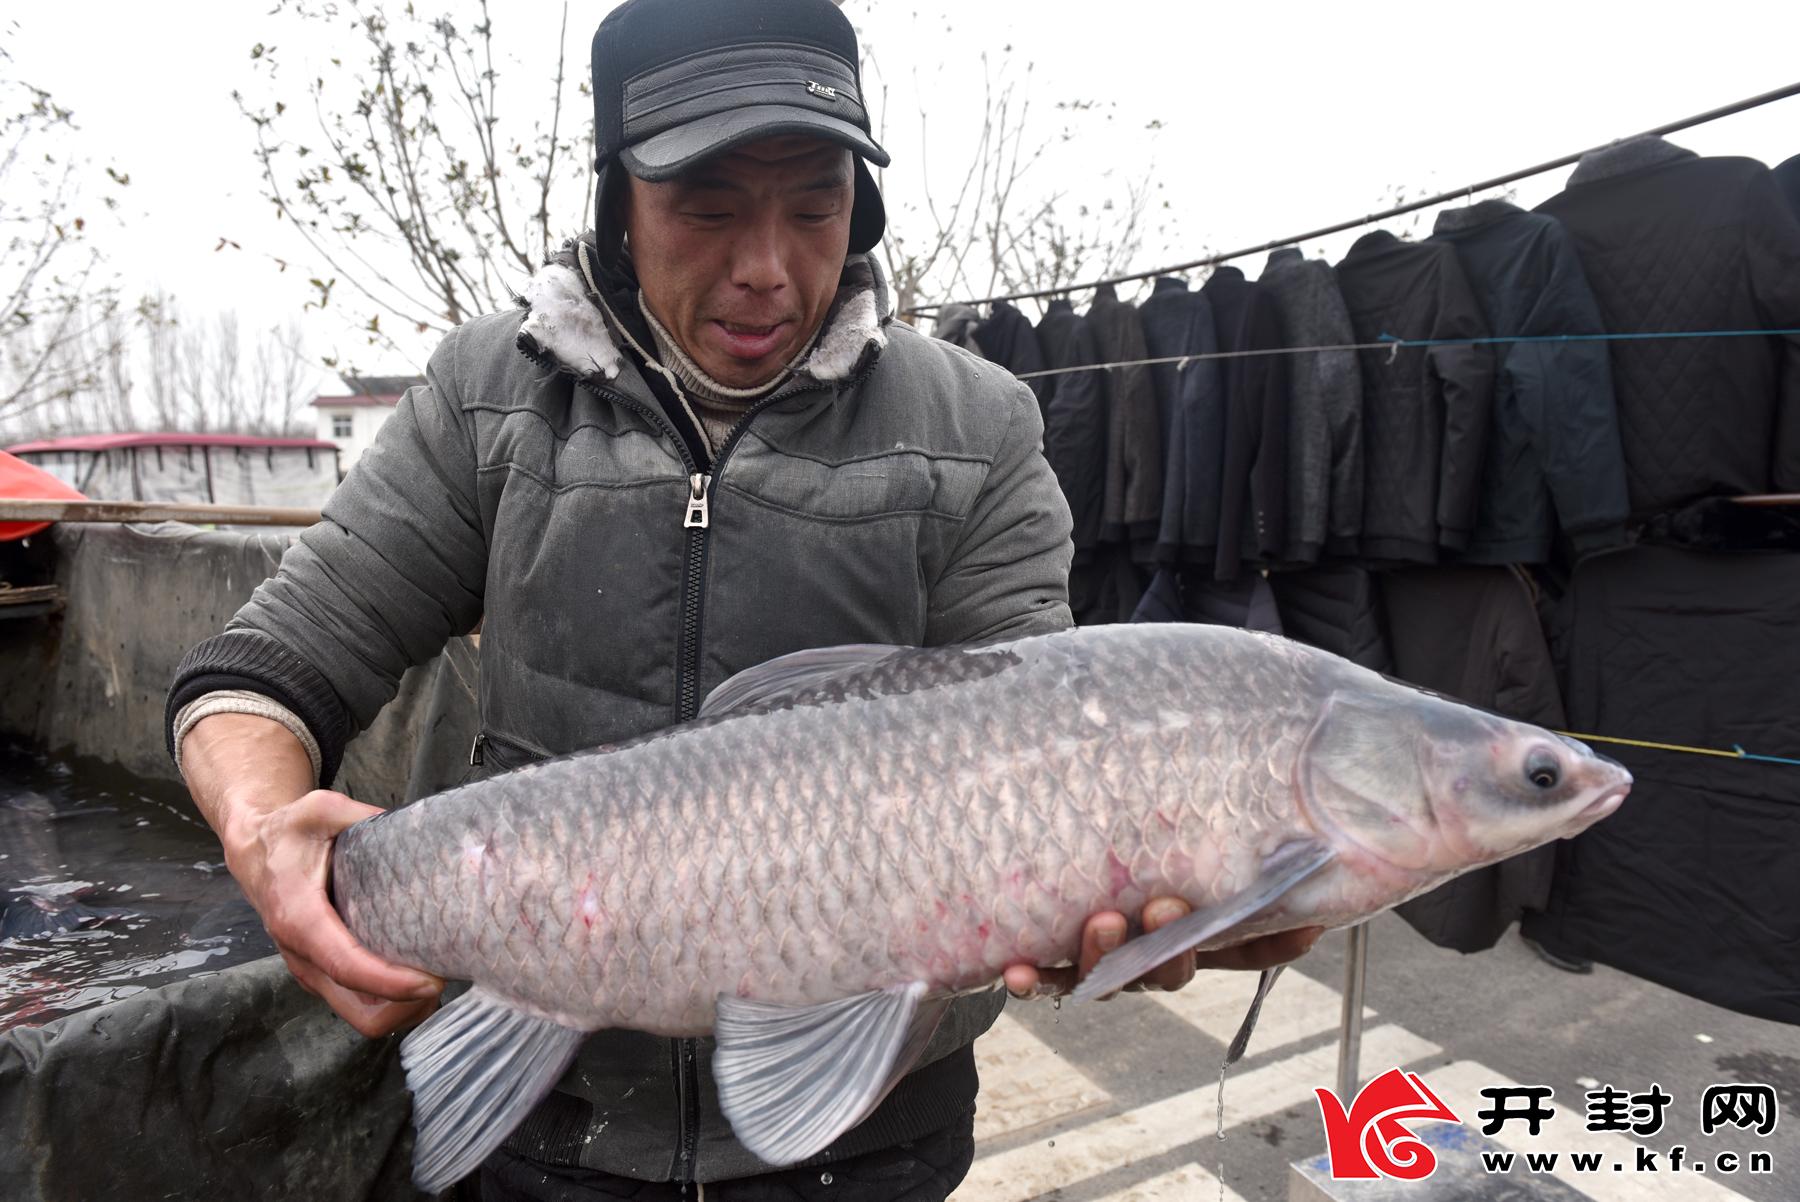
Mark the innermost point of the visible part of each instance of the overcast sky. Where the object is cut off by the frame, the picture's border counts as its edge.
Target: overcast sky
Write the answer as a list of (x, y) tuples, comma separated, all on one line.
[(1274, 117)]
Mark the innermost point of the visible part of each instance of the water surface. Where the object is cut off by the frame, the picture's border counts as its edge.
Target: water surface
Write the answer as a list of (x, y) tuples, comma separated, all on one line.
[(109, 885)]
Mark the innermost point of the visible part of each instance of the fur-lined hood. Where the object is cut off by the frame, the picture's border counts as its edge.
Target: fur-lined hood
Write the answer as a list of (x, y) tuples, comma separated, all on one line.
[(569, 321)]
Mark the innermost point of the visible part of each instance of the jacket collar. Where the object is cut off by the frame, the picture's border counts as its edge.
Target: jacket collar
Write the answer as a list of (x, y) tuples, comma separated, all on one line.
[(1169, 283), (1287, 256), (568, 318), (1469, 217), (1633, 154)]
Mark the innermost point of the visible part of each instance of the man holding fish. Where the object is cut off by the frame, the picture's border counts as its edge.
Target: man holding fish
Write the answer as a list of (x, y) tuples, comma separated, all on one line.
[(702, 445)]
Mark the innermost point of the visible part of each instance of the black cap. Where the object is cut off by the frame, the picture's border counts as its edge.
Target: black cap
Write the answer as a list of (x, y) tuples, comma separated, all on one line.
[(679, 81)]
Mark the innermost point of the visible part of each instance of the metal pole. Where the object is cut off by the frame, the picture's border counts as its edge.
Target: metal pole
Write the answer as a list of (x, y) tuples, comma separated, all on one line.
[(25, 510), (1356, 975)]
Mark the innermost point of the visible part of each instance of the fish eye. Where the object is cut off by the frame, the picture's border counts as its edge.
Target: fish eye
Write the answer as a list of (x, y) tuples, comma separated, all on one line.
[(1542, 768)]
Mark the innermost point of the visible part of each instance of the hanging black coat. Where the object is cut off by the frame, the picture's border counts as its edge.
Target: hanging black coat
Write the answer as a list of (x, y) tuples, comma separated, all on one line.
[(1692, 883), (1788, 177), (1473, 633), (1553, 446), (1335, 607), (1190, 399), (1425, 409), (1075, 421), (1674, 242), (1325, 458), (1252, 479), (1134, 440), (1007, 338)]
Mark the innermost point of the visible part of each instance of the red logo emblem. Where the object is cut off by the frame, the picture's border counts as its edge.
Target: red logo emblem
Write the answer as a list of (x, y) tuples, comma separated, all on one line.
[(1371, 1140)]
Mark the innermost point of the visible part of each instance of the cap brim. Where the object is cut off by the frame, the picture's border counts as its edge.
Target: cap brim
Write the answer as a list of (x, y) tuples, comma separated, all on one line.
[(670, 153)]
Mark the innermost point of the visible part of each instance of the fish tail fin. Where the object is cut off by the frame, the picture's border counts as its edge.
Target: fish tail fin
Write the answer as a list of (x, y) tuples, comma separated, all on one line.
[(475, 1069)]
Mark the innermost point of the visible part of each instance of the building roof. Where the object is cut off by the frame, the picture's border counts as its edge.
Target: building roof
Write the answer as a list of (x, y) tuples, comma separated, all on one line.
[(114, 442), (370, 391)]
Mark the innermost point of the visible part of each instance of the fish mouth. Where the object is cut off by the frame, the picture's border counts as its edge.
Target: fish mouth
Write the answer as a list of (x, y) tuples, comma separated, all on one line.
[(1604, 804)]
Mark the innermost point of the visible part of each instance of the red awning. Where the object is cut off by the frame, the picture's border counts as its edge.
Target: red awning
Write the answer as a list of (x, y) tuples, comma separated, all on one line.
[(19, 481)]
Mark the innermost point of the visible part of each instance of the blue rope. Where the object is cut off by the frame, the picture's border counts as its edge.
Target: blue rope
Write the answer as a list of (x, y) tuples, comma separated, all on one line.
[(1767, 759)]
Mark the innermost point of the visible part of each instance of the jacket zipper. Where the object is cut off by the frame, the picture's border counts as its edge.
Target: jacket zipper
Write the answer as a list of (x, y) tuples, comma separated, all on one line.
[(697, 522)]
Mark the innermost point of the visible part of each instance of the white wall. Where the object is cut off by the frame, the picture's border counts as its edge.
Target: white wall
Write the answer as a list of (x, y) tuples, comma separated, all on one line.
[(365, 420)]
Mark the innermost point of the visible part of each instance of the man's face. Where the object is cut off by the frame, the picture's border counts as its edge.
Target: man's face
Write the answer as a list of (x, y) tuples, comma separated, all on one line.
[(739, 257)]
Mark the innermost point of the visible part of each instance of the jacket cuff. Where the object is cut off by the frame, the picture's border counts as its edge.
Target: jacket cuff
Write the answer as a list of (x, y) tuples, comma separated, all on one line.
[(255, 662)]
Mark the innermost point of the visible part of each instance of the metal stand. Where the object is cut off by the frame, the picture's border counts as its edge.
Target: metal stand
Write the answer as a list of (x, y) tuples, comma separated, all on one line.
[(1356, 974)]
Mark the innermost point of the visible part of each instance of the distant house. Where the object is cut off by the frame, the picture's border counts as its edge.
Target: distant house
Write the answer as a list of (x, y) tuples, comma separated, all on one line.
[(349, 421), (224, 469)]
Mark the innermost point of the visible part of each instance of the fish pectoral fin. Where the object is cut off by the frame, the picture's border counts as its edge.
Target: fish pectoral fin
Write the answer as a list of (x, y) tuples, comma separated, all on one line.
[(793, 1078), (1241, 1040), (1291, 864), (475, 1069)]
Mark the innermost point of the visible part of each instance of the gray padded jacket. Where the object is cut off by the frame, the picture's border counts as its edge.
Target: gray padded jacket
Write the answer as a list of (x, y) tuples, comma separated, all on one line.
[(894, 490)]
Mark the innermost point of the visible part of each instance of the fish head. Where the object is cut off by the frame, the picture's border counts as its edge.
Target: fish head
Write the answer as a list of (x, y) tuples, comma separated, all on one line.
[(1427, 784)]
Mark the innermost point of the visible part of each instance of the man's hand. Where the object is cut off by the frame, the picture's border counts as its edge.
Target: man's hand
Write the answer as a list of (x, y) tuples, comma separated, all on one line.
[(253, 783), (1106, 931), (282, 859)]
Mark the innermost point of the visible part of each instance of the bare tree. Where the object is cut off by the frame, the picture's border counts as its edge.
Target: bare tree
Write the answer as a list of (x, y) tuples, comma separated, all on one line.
[(995, 226), (55, 298), (402, 171)]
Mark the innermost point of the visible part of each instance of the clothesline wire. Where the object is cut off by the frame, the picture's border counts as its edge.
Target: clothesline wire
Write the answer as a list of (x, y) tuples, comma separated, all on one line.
[(1393, 345), (1370, 219), (1737, 751)]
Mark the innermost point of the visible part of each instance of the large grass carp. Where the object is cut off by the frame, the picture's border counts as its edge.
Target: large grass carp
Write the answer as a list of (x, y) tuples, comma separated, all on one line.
[(849, 836)]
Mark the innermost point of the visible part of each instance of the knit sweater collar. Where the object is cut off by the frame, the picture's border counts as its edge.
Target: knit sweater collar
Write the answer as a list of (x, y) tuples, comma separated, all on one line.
[(701, 386)]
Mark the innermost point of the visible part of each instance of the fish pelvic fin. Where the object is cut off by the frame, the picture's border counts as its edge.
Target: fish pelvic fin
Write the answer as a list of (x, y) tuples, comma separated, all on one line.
[(475, 1069), (1291, 864), (793, 1078)]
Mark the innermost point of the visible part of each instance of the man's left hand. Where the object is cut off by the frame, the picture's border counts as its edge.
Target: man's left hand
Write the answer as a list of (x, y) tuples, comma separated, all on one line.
[(1108, 930)]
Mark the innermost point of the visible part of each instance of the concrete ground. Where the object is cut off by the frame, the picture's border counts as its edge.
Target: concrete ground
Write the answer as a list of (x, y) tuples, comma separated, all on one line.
[(1116, 1102)]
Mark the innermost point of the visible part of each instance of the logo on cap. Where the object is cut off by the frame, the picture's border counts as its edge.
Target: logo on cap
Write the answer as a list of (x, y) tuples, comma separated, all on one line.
[(820, 90)]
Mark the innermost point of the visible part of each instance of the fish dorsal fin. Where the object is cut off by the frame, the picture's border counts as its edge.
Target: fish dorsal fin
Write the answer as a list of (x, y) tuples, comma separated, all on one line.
[(1291, 864), (475, 1069), (788, 675), (793, 1078)]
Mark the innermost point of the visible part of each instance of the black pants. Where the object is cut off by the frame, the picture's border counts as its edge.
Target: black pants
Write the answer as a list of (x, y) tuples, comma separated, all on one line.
[(923, 1170)]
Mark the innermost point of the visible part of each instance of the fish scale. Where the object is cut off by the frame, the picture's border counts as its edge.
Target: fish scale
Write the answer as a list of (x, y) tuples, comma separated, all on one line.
[(849, 836)]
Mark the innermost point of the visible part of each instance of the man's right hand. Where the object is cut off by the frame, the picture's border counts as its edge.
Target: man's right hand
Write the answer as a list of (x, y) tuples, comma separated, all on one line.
[(252, 781), (282, 859)]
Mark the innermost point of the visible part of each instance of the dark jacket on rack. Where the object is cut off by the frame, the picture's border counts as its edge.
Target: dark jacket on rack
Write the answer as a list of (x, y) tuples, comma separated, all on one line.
[(1473, 633), (1190, 398), (1134, 443), (1787, 176), (1425, 409), (1252, 480), (1674, 242), (1336, 607), (1324, 463), (1692, 883), (956, 324), (1553, 445), (1007, 338), (1075, 421)]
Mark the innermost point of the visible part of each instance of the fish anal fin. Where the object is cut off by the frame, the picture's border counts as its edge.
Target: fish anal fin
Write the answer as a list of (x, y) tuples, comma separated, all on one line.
[(1281, 872), (793, 1078), (475, 1069)]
